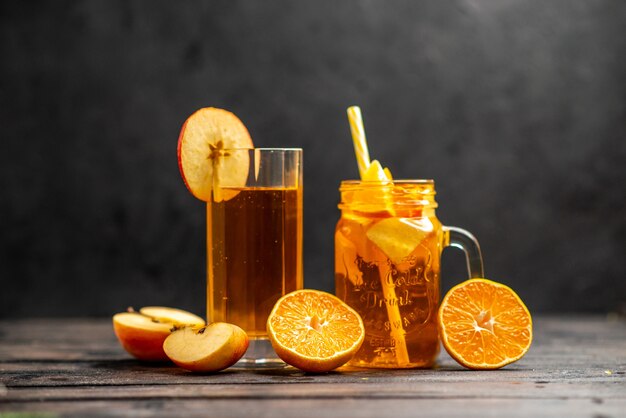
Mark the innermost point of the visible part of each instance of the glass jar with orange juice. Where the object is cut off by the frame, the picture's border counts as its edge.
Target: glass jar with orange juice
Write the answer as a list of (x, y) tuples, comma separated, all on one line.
[(388, 245)]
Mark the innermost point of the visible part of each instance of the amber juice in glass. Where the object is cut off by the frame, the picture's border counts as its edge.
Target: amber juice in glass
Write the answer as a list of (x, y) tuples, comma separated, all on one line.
[(388, 245), (254, 245)]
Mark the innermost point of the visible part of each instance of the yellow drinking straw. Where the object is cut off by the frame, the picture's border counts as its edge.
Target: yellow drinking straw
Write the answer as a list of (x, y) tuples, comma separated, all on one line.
[(358, 137), (389, 293)]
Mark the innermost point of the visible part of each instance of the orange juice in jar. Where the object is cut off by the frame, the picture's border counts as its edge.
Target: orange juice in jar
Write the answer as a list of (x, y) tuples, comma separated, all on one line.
[(388, 245)]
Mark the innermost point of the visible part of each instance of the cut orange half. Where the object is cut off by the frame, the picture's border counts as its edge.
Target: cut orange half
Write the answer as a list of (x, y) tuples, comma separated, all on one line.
[(203, 158), (484, 324), (314, 331)]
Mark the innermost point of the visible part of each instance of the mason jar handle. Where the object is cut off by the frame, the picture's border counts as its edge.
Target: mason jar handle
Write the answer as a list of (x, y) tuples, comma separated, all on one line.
[(464, 240)]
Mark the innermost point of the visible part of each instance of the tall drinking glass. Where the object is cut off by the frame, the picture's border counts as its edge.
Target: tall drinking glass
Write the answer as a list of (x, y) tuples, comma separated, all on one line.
[(254, 244)]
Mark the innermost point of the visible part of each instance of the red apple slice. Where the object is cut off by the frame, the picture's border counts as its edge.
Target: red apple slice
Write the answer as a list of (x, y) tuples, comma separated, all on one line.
[(203, 163), (142, 333), (171, 315), (207, 349)]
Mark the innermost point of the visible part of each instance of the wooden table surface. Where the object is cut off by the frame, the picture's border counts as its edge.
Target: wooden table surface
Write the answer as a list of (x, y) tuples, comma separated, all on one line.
[(575, 367)]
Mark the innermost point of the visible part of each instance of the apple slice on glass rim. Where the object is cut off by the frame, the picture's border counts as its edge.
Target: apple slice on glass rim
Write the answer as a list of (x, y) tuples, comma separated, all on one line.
[(203, 159)]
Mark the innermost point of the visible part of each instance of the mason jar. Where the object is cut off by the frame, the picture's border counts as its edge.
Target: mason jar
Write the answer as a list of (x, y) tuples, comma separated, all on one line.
[(388, 245)]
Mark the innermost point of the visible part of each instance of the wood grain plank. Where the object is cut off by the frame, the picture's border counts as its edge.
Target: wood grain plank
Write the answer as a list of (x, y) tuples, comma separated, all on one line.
[(580, 348), (614, 389), (576, 367), (581, 341), (333, 408), (130, 372)]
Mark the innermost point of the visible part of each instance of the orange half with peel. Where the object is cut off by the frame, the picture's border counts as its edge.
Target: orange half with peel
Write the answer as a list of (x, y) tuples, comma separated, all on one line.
[(314, 331), (484, 325), (203, 157)]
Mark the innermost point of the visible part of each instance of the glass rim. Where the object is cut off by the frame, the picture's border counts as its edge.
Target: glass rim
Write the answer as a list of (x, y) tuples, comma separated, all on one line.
[(392, 182), (262, 149)]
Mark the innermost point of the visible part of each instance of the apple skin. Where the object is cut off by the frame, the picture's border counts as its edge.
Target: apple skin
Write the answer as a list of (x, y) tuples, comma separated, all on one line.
[(209, 127), (142, 333), (144, 344), (179, 156), (207, 349)]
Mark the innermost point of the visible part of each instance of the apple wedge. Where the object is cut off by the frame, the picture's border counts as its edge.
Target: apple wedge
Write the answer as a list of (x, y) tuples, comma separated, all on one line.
[(142, 333), (206, 349), (203, 157)]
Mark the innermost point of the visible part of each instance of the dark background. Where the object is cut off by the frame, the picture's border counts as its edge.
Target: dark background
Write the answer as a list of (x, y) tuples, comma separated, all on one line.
[(517, 108)]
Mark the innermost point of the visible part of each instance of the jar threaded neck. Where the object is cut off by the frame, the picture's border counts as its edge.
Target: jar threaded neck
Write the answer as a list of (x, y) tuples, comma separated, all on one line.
[(398, 195)]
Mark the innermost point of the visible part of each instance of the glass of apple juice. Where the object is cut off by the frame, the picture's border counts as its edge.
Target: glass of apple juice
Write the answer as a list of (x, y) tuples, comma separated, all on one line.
[(254, 243)]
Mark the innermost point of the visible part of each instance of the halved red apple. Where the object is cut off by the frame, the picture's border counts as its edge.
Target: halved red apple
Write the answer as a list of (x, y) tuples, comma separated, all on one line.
[(207, 349), (142, 333), (204, 164)]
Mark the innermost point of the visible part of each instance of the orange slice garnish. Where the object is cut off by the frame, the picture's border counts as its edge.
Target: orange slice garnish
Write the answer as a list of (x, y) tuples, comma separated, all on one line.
[(203, 158), (314, 331), (484, 324)]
